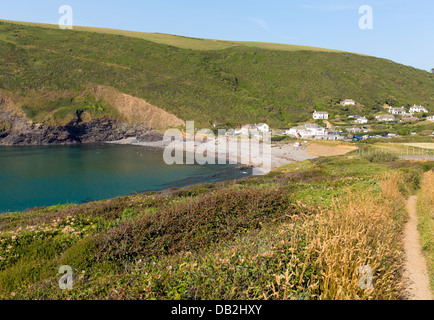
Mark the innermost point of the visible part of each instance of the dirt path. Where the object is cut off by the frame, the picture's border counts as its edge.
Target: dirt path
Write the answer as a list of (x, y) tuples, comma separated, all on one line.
[(416, 269)]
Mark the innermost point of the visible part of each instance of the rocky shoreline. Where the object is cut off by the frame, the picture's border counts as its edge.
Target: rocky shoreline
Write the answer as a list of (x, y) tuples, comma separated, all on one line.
[(23, 133)]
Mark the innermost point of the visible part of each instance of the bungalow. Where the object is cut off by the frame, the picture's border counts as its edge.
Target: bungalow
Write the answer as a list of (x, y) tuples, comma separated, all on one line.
[(398, 111), (430, 118), (354, 130), (263, 127), (418, 109), (321, 115), (247, 130), (409, 118), (354, 117), (308, 130), (362, 120), (386, 117), (348, 102)]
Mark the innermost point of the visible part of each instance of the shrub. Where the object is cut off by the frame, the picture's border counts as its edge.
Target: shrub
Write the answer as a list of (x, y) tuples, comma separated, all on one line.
[(193, 224), (381, 157)]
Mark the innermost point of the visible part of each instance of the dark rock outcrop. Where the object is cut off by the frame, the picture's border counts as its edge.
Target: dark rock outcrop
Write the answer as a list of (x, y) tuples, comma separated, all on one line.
[(15, 129), (101, 130)]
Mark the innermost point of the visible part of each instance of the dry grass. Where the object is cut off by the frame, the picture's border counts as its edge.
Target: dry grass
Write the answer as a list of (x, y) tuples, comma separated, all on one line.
[(425, 208), (329, 149), (428, 186), (420, 145), (359, 229)]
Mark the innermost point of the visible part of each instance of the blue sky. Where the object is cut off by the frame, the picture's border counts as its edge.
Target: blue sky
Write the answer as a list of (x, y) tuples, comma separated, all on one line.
[(403, 30)]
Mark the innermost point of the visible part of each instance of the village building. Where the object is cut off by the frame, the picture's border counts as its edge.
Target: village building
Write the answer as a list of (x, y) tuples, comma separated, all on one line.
[(430, 118), (418, 109), (263, 127), (348, 102), (309, 130), (409, 118), (362, 120), (386, 118), (354, 117), (321, 115), (398, 111), (354, 130), (247, 130)]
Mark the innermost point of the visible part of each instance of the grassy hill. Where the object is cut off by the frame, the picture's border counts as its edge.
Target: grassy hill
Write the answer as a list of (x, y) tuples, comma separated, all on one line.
[(229, 83), (180, 41)]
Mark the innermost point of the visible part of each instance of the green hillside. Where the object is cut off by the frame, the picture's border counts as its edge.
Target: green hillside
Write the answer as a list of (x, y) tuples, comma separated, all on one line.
[(180, 41), (45, 69)]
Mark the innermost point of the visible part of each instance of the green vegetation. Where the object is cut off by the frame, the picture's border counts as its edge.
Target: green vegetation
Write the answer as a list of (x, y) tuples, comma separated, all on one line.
[(380, 157), (5, 126), (301, 232), (67, 109), (425, 208), (180, 41), (230, 85)]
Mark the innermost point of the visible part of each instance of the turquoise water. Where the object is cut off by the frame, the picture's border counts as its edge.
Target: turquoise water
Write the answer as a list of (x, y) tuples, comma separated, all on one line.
[(45, 176)]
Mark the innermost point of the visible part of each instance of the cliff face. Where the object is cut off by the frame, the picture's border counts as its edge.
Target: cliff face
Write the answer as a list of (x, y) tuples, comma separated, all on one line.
[(23, 133), (142, 120), (137, 110)]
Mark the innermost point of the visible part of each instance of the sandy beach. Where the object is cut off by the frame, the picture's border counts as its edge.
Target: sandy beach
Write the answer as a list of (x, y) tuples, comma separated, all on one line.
[(281, 153)]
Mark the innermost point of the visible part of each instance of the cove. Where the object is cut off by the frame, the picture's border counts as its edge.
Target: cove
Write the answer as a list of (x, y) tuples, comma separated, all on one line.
[(51, 175)]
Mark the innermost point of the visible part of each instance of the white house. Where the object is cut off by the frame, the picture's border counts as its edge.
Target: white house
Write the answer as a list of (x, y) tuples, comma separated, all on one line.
[(247, 130), (362, 120), (348, 102), (430, 118), (386, 118), (321, 115), (418, 109), (308, 130), (398, 111), (354, 117), (354, 130), (263, 127)]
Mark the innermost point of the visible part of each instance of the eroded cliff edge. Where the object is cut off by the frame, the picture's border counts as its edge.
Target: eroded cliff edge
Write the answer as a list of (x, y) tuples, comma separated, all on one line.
[(137, 118)]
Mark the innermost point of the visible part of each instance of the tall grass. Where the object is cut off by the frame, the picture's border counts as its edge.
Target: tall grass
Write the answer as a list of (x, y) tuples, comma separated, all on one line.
[(358, 229), (425, 208)]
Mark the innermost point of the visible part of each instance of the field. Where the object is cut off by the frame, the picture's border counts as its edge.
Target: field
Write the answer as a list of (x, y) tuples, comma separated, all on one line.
[(301, 232), (329, 149), (429, 146)]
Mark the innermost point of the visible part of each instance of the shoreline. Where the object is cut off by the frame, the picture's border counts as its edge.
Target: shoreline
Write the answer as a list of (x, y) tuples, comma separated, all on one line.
[(281, 153)]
